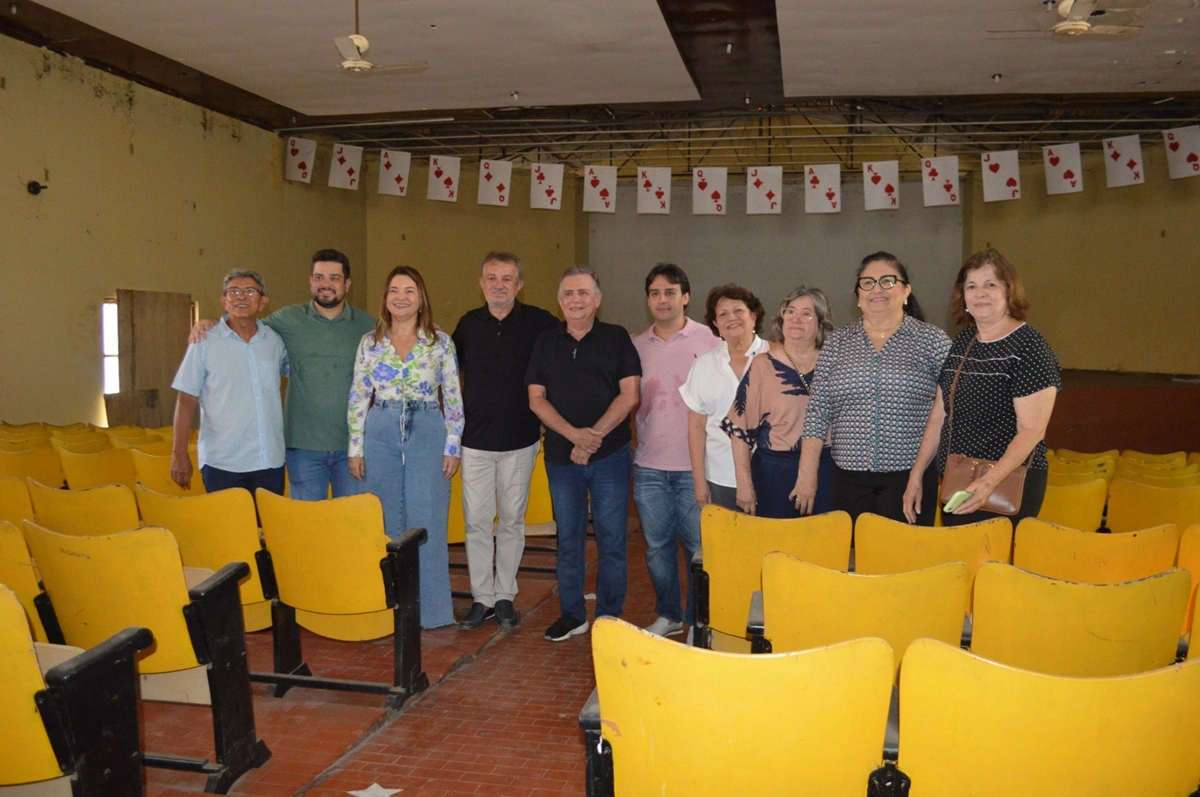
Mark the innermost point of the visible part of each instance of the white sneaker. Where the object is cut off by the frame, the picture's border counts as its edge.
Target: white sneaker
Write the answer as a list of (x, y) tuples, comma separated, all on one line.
[(664, 627)]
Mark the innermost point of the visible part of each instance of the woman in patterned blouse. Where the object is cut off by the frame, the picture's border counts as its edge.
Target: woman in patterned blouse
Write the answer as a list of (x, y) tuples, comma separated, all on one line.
[(402, 447), (871, 394), (767, 415), (1004, 397)]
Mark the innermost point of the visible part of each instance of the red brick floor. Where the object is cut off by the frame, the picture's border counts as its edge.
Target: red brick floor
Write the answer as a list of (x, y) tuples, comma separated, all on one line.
[(499, 719)]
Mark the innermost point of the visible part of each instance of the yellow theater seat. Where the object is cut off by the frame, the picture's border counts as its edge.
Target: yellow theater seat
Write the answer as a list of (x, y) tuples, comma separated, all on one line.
[(114, 466), (18, 574), (89, 444), (106, 509), (1134, 506), (15, 505), (1088, 558), (1079, 506), (1173, 458), (154, 471), (41, 464)]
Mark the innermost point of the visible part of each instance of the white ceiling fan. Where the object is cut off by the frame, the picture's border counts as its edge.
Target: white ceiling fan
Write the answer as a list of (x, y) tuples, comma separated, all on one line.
[(1087, 18), (353, 49)]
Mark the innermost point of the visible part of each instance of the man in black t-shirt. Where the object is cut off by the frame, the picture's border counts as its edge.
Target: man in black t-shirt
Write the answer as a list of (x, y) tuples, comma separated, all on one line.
[(501, 437), (583, 380)]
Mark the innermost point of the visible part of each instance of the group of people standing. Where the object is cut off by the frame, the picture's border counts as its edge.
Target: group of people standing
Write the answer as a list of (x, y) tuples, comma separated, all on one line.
[(819, 419)]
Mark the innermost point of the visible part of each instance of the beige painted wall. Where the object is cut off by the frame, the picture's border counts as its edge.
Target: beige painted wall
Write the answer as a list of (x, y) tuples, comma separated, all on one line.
[(146, 192), (446, 241), (1111, 272)]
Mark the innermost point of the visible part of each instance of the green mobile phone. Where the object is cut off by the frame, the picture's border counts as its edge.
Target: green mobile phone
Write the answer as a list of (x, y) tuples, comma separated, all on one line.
[(956, 500)]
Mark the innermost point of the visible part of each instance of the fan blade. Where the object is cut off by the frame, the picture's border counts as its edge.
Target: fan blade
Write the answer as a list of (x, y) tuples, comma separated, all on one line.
[(346, 47), (1077, 10), (402, 68)]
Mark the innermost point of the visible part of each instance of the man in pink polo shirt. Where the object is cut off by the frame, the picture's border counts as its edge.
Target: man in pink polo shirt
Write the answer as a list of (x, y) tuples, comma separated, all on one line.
[(662, 471)]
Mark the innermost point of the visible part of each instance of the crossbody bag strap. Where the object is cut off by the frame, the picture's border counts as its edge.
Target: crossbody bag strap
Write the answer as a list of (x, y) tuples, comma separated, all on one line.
[(954, 387)]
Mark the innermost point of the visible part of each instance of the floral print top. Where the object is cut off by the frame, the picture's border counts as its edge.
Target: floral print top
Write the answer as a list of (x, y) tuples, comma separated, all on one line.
[(380, 372), (769, 405)]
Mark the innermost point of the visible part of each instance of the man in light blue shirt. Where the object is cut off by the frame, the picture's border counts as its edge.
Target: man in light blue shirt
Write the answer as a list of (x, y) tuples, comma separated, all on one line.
[(233, 376)]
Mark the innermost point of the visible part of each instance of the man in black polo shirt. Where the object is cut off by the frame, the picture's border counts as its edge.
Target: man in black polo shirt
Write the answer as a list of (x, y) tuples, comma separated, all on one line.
[(583, 380), (500, 442)]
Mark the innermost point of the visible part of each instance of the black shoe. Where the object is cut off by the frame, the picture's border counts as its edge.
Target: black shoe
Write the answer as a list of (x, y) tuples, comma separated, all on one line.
[(566, 627), (506, 615), (478, 615)]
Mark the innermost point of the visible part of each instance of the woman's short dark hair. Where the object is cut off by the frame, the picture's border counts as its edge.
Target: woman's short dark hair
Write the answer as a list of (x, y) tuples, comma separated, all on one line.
[(820, 306), (734, 293), (913, 307), (1018, 303)]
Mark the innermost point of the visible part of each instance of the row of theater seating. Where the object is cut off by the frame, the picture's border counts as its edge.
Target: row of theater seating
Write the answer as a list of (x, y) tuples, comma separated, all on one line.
[(83, 571), (1048, 654)]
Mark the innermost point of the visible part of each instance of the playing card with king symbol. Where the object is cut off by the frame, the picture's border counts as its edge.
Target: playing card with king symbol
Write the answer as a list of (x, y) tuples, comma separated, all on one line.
[(939, 181), (881, 185), (495, 182), (600, 189), (1183, 151), (1064, 170), (654, 189), (1123, 161), (823, 188), (298, 159), (393, 172), (764, 190), (443, 178), (1001, 176), (545, 186), (710, 185)]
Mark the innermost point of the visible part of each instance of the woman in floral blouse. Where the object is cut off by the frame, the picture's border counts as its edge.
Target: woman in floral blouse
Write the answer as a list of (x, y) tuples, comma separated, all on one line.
[(402, 447)]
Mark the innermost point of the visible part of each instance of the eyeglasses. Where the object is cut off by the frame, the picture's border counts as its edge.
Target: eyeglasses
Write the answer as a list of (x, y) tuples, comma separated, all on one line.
[(886, 282), (238, 293)]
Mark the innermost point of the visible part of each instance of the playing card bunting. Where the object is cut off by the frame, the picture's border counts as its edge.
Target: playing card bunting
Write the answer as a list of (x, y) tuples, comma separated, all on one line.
[(764, 190), (345, 170), (1183, 151), (654, 189), (939, 181), (823, 188), (495, 183), (600, 189), (393, 172), (1064, 172), (1001, 176), (299, 156), (545, 186), (709, 188), (443, 178), (1123, 161), (881, 185)]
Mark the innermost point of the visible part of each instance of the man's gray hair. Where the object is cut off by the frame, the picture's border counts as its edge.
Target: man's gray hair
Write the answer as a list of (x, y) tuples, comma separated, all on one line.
[(242, 273), (579, 271), (503, 257)]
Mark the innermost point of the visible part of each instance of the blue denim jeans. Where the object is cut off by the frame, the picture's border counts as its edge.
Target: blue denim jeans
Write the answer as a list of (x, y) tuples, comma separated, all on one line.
[(606, 481), (666, 504), (310, 473), (402, 452)]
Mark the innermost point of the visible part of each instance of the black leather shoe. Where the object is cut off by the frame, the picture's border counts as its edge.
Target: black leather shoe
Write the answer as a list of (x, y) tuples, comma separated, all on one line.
[(506, 615), (478, 615)]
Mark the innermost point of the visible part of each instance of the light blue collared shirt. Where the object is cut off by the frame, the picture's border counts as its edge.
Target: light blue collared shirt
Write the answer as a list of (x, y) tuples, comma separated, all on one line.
[(237, 384)]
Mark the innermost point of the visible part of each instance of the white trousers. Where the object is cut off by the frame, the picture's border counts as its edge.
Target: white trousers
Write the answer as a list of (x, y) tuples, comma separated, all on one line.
[(495, 484)]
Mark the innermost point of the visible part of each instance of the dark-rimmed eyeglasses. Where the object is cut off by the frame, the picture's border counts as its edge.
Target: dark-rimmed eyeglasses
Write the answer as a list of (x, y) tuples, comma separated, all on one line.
[(886, 282)]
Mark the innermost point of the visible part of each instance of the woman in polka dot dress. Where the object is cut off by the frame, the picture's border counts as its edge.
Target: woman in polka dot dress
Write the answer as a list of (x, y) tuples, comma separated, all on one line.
[(1004, 396)]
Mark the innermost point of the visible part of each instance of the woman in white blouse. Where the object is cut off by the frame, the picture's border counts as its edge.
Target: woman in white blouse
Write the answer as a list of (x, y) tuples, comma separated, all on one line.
[(736, 315), (402, 446)]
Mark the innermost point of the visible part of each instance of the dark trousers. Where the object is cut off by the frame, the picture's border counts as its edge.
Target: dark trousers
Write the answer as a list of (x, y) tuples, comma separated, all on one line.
[(859, 491), (269, 479), (1031, 503), (774, 477)]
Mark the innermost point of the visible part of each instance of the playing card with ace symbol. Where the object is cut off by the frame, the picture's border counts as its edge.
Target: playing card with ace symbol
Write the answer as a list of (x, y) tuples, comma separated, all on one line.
[(939, 181), (1123, 161), (764, 190), (1001, 176), (545, 186), (881, 185), (823, 188), (495, 183), (345, 168), (654, 189), (1183, 151), (1064, 172), (710, 185), (600, 189), (443, 178), (393, 172), (298, 159)]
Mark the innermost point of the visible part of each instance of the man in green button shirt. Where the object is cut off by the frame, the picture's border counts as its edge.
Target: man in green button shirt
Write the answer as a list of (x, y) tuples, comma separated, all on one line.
[(322, 337)]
